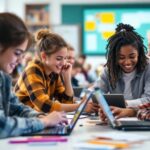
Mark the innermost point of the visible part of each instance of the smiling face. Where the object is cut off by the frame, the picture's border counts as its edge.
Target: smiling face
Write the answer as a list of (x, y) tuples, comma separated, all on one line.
[(128, 58), (71, 57), (10, 58), (54, 62)]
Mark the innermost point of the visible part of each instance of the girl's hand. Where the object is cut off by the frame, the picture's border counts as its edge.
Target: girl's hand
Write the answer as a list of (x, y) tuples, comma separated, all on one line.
[(102, 116), (91, 107), (122, 112), (66, 71), (54, 118), (118, 113)]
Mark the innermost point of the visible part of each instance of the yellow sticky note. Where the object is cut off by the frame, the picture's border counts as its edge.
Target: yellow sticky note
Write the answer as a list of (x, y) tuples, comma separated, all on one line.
[(90, 26), (107, 34), (107, 18)]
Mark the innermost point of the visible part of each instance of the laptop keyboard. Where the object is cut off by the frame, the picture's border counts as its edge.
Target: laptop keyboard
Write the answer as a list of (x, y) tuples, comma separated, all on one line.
[(135, 123), (55, 130)]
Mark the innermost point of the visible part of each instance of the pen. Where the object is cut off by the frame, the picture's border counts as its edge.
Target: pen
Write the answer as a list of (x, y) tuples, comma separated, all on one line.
[(33, 142), (38, 139), (47, 139), (18, 141)]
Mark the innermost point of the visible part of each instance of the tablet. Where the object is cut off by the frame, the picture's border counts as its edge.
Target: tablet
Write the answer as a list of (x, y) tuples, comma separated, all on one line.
[(113, 100)]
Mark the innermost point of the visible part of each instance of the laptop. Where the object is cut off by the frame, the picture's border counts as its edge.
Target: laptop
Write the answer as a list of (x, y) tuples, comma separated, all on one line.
[(66, 129), (117, 124), (77, 91), (112, 100)]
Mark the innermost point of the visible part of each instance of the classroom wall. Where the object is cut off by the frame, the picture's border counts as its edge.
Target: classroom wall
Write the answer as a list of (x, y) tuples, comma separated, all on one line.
[(56, 16), (17, 6), (2, 5), (76, 17)]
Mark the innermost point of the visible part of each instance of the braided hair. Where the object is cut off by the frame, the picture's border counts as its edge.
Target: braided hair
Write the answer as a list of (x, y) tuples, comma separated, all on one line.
[(125, 35)]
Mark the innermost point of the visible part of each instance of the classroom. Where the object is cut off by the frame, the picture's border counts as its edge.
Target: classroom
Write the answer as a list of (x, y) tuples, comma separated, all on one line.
[(75, 74)]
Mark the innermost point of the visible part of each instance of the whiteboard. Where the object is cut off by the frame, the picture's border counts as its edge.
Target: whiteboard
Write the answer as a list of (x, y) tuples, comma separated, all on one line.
[(71, 34)]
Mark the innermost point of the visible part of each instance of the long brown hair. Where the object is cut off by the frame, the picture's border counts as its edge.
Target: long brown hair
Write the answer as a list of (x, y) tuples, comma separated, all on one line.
[(13, 31)]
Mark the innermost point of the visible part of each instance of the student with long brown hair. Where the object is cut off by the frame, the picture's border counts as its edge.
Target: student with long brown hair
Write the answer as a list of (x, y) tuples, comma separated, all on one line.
[(15, 118)]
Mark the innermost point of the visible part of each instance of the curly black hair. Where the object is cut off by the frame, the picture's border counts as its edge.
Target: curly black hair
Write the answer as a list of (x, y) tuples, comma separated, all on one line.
[(125, 35)]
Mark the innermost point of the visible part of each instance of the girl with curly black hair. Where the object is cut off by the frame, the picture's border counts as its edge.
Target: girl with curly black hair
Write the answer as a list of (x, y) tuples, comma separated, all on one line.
[(127, 68)]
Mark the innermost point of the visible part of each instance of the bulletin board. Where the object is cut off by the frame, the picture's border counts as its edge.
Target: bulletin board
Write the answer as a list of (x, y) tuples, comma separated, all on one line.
[(99, 25), (70, 33)]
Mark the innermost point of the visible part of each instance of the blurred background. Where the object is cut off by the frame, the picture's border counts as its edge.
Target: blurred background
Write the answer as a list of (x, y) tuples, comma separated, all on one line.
[(85, 24)]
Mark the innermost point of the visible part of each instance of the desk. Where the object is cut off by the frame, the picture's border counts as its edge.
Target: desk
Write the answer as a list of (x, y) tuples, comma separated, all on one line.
[(80, 133)]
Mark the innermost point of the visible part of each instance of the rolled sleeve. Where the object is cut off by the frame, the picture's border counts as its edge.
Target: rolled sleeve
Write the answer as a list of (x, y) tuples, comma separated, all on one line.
[(144, 114), (133, 103), (60, 93), (15, 126), (56, 106)]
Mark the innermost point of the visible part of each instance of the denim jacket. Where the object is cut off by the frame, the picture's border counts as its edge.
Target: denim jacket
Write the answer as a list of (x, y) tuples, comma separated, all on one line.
[(140, 86), (15, 117)]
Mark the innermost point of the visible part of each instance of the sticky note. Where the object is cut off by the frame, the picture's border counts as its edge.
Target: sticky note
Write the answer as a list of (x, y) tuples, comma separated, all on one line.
[(107, 17), (90, 26), (107, 34)]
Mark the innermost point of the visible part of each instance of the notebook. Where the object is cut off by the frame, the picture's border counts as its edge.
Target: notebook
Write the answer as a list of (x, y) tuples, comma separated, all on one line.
[(121, 125), (66, 129), (113, 100)]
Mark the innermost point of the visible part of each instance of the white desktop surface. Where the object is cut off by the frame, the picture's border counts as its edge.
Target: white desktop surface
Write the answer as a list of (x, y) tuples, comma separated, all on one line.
[(82, 131)]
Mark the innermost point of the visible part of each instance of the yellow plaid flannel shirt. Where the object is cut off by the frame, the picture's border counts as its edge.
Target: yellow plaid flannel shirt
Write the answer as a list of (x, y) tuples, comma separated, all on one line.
[(39, 91)]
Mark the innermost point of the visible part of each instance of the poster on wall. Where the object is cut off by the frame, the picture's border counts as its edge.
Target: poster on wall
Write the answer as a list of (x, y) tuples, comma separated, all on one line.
[(100, 24)]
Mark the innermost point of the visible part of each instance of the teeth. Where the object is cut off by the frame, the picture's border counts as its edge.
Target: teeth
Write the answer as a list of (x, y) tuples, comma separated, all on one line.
[(12, 66), (128, 66)]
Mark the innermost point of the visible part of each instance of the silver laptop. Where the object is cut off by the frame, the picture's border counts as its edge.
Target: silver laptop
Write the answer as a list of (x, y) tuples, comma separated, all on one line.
[(66, 129), (121, 125)]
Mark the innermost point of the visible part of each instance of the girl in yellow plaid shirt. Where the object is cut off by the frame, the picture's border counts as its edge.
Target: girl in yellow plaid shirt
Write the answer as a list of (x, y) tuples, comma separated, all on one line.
[(40, 85)]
